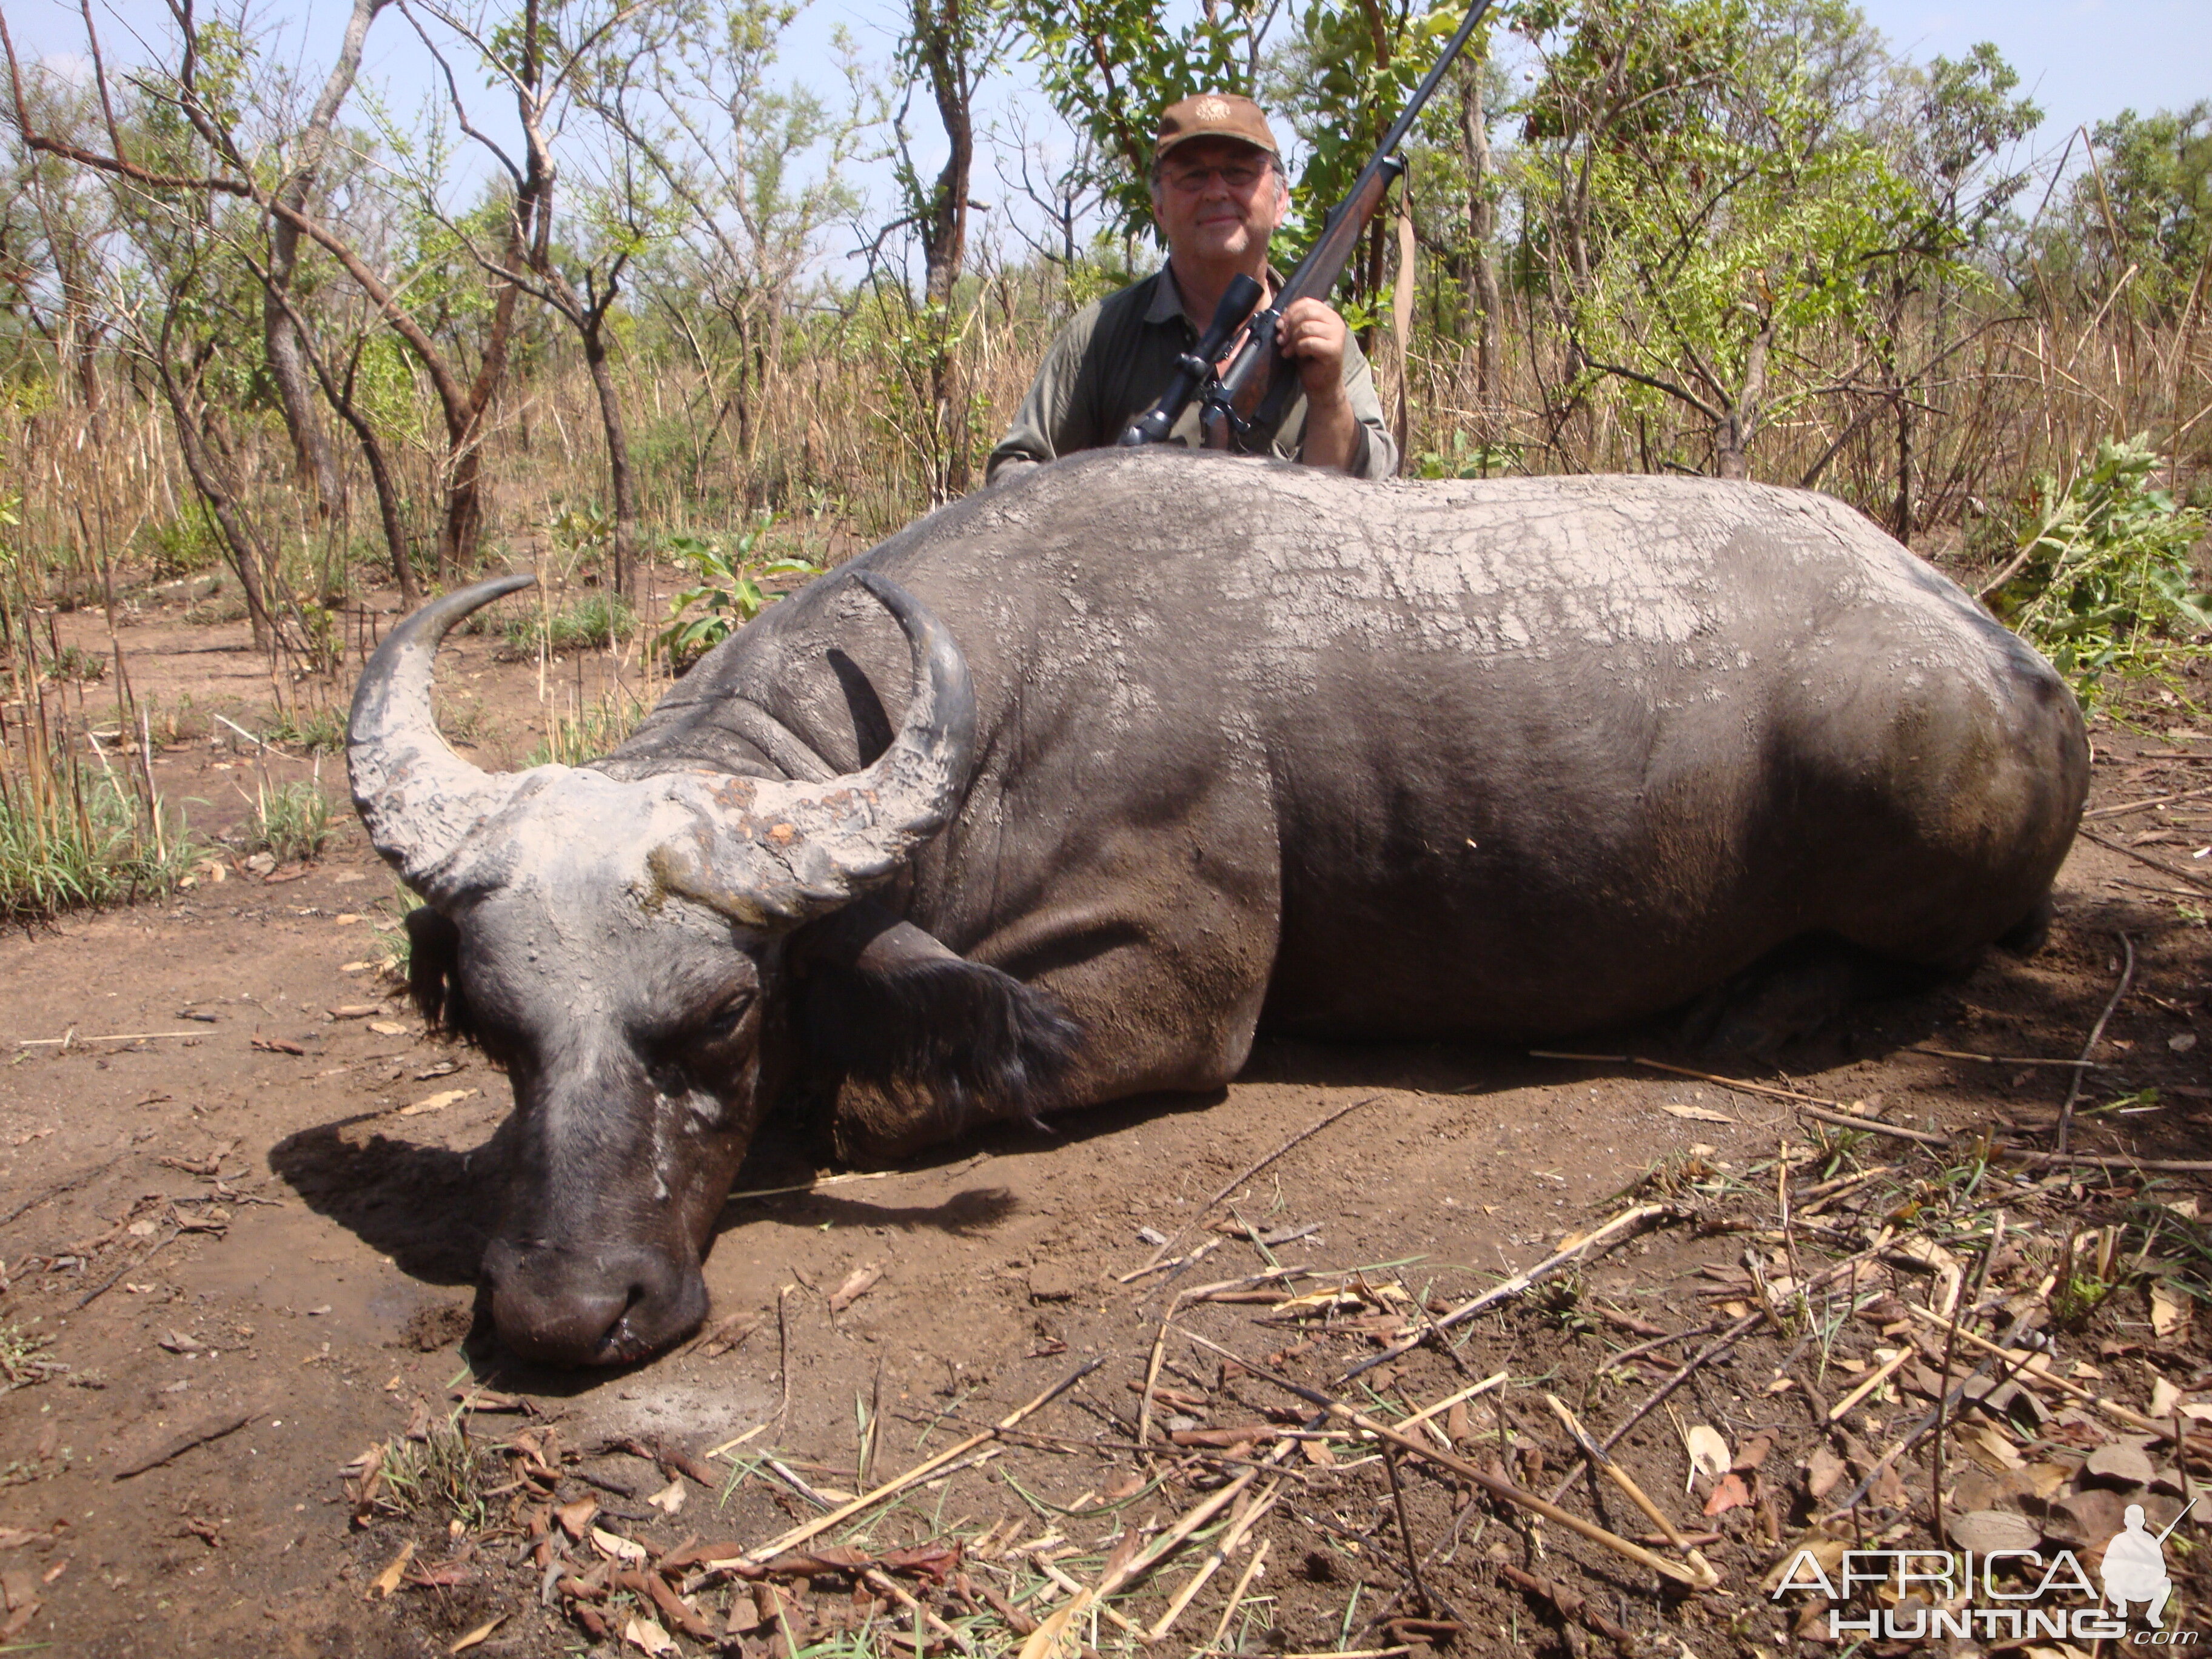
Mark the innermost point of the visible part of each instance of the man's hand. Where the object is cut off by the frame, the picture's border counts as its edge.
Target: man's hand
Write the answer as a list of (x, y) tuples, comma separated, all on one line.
[(1314, 337)]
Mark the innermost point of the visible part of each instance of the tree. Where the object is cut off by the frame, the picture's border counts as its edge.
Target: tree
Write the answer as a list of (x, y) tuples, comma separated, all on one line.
[(1697, 201)]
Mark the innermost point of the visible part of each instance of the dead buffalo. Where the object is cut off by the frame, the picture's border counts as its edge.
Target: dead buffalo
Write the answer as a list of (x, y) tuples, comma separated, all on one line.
[(1175, 748)]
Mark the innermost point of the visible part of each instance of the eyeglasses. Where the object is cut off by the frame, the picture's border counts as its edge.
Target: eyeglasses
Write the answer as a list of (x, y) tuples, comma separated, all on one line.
[(1239, 176)]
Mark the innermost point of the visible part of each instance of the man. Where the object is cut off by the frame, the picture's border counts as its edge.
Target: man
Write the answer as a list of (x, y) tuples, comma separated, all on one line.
[(1218, 193)]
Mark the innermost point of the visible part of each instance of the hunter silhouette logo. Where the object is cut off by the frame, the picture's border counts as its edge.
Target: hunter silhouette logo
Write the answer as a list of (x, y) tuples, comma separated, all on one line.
[(2016, 1594), (2135, 1567)]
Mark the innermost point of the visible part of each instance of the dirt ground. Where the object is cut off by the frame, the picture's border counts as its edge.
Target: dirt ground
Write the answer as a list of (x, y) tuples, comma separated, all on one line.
[(242, 1195)]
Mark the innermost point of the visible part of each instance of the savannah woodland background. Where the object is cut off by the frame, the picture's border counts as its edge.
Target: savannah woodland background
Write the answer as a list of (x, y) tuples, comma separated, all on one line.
[(1387, 1351)]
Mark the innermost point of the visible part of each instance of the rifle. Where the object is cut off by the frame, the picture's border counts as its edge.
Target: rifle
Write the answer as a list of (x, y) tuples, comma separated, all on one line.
[(1243, 406)]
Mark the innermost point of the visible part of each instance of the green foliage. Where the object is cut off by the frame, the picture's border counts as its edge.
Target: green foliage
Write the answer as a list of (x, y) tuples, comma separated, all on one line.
[(728, 594), (184, 545), (2107, 588), (291, 821), (592, 622), (74, 662), (1340, 83), (588, 733), (69, 841), (1696, 203), (317, 731), (445, 1475), (1110, 67), (1467, 458), (2147, 203)]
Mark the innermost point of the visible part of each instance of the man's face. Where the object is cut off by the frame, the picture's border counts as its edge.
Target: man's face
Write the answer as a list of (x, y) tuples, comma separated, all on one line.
[(1217, 199)]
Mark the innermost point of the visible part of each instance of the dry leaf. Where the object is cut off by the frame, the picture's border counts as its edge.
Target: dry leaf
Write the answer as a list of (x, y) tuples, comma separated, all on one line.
[(669, 1498), (2164, 1397), (386, 1027), (2169, 1312), (617, 1547), (858, 1283), (478, 1635), (648, 1638), (1709, 1451), (356, 1010), (1822, 1471), (1698, 1114), (1989, 1447), (576, 1516), (436, 1102), (386, 1583), (1730, 1494)]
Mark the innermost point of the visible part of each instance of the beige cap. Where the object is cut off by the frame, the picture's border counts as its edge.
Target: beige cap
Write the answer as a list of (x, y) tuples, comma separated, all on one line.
[(1214, 115)]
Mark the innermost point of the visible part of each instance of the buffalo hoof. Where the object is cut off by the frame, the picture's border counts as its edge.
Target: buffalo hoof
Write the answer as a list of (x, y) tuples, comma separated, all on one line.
[(559, 1306)]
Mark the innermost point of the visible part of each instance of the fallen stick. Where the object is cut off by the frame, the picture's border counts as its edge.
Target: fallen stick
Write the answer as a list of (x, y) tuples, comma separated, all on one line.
[(845, 1180), (1450, 1399), (2095, 1161), (1226, 1545), (1828, 1111), (2126, 807), (2096, 1035), (1726, 1339), (2006, 1060), (72, 1039), (2166, 1431), (1873, 1125), (1637, 1495), (116, 1277), (1872, 1380), (2158, 865), (1246, 1174), (1512, 1287), (178, 1445), (1571, 1606), (1113, 1616), (1052, 1632), (59, 1189), (1494, 1485), (919, 1471), (879, 1580), (1237, 1596)]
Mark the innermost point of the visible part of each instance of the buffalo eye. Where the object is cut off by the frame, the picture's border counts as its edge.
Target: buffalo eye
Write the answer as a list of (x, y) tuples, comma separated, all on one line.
[(723, 1024)]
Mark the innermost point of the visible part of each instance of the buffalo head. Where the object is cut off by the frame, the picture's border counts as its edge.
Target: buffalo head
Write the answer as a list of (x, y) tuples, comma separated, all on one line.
[(620, 945)]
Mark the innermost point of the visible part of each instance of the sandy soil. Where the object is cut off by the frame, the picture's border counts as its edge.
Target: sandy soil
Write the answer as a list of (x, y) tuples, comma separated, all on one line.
[(247, 1237)]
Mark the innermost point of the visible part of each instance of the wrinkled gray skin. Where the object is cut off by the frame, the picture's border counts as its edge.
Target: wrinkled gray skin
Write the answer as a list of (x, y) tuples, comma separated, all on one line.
[(1251, 745)]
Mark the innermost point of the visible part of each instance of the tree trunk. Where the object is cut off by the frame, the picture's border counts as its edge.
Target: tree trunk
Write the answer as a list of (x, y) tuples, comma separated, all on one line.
[(618, 467), (1482, 295), (280, 328), (941, 39), (245, 553)]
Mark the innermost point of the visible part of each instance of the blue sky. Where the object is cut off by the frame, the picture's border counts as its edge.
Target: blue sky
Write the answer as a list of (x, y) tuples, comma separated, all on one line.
[(2081, 59)]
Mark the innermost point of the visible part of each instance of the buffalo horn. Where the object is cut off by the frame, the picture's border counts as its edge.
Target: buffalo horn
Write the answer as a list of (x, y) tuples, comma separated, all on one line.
[(417, 797), (797, 850)]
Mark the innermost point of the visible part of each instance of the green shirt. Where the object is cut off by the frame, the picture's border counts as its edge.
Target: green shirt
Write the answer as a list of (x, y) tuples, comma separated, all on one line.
[(1112, 363)]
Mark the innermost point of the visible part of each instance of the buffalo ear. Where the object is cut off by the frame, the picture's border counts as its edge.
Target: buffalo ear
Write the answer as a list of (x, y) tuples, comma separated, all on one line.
[(914, 1043), (434, 970)]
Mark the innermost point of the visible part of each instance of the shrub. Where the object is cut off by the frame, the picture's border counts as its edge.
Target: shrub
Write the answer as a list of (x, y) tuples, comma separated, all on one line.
[(589, 733), (2104, 585), (591, 623), (291, 821), (729, 594)]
